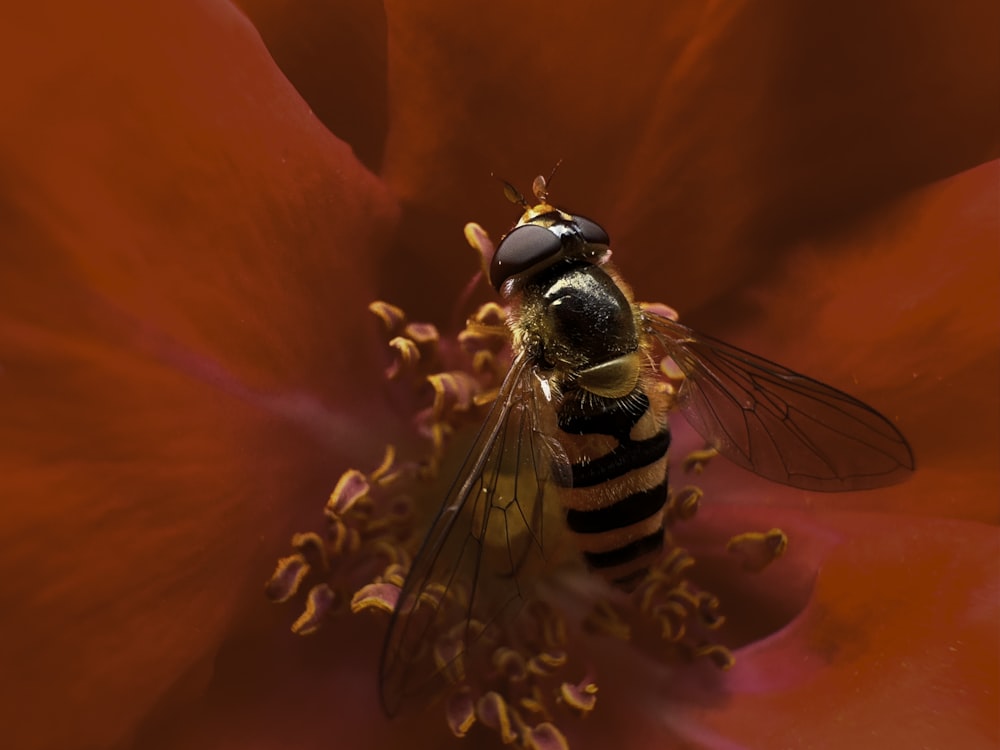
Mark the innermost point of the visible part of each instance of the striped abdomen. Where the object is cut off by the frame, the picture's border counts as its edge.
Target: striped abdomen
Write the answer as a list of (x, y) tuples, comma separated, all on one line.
[(618, 451)]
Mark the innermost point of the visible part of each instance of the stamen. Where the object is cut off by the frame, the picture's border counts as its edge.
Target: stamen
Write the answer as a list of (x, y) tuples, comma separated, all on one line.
[(682, 505), (449, 658), (392, 317), (534, 703), (388, 472), (460, 711), (407, 356), (286, 578), (545, 736), (351, 488), (320, 602), (545, 663), (480, 241), (310, 546), (721, 656), (424, 335), (508, 676), (582, 696), (382, 596), (494, 712), (756, 550), (510, 664), (695, 461)]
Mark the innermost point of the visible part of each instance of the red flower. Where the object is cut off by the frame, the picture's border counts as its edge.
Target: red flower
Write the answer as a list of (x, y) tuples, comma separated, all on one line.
[(186, 366)]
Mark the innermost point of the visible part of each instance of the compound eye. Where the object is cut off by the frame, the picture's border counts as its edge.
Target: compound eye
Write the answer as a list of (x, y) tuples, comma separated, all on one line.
[(525, 246), (592, 232)]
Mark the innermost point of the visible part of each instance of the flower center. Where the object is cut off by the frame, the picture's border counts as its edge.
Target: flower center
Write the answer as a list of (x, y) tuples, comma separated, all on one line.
[(517, 667)]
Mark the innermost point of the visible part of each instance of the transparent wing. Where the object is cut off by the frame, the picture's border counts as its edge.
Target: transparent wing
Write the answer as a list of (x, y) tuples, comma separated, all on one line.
[(777, 423), (481, 553)]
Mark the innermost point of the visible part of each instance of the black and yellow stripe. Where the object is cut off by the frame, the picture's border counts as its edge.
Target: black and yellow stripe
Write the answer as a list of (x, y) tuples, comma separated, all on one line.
[(614, 506)]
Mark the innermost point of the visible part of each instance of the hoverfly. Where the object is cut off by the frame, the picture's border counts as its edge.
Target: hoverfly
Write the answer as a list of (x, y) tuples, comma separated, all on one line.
[(580, 415)]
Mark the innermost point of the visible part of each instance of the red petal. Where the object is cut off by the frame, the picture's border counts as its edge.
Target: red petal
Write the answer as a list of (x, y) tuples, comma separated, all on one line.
[(335, 56), (270, 689), (901, 312), (187, 257), (709, 140), (896, 646)]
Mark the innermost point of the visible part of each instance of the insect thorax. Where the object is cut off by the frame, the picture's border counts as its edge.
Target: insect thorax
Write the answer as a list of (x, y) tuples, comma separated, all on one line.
[(574, 317)]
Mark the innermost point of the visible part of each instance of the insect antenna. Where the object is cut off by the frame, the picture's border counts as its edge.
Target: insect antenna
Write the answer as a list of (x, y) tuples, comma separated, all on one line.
[(511, 193), (540, 185)]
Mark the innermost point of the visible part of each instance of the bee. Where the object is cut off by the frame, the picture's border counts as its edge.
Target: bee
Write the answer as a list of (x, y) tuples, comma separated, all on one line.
[(580, 424)]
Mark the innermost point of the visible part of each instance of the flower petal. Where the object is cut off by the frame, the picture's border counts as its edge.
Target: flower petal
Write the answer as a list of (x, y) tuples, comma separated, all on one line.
[(270, 689), (896, 646), (335, 56), (709, 140), (900, 311), (187, 253)]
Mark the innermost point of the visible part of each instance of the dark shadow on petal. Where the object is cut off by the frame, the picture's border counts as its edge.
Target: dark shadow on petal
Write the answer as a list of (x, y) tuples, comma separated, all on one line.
[(334, 54)]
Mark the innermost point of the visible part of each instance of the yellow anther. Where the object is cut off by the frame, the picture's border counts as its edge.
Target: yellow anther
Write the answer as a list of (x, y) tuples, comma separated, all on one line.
[(545, 736), (697, 460), (407, 356), (378, 596), (494, 712), (286, 578), (684, 503), (756, 550), (392, 317), (721, 656), (319, 602), (350, 488), (460, 711)]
